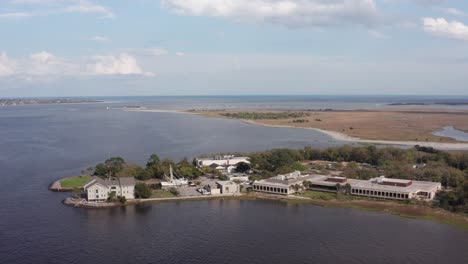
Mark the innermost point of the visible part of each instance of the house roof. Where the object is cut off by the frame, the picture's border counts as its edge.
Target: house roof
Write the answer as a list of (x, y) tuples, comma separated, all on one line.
[(124, 181)]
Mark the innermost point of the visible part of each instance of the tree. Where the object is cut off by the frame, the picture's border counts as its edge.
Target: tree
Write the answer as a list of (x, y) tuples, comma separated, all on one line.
[(100, 170), (338, 187), (131, 171), (114, 165), (153, 161), (142, 191), (122, 199), (77, 192), (348, 188), (111, 197), (242, 167)]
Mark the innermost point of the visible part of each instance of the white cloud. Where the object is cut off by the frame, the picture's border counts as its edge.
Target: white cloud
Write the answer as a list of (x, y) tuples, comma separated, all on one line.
[(455, 12), (100, 39), (123, 64), (284, 12), (84, 6), (45, 63), (442, 28), (179, 54), (15, 15), (7, 66)]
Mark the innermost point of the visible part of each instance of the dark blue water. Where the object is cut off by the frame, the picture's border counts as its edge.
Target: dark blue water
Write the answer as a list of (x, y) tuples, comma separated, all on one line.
[(39, 144)]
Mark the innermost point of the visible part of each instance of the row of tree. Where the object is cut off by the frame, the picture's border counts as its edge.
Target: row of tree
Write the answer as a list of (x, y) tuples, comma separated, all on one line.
[(155, 168)]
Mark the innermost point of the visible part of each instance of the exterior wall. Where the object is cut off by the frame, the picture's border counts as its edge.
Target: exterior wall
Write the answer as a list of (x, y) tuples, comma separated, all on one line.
[(221, 162), (381, 194), (394, 195), (229, 188), (215, 191), (97, 192), (276, 189)]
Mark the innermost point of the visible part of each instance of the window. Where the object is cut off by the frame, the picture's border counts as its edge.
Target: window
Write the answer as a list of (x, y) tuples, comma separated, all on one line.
[(97, 191)]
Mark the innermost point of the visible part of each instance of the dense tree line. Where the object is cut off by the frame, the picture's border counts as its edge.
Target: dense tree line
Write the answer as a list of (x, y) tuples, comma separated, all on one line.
[(155, 168), (272, 115)]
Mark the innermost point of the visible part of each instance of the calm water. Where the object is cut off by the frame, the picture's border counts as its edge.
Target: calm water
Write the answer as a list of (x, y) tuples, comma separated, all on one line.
[(451, 132), (41, 143)]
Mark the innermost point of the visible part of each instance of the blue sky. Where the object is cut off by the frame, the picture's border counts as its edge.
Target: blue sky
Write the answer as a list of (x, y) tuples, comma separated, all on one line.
[(222, 47)]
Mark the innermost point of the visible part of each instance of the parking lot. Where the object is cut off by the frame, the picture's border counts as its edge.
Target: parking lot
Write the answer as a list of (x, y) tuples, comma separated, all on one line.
[(192, 190)]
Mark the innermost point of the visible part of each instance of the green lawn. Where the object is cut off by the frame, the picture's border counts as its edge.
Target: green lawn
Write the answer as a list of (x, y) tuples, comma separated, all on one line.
[(76, 181), (161, 194)]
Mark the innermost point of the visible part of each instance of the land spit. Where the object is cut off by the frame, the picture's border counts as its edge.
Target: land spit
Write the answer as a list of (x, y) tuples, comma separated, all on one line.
[(382, 127)]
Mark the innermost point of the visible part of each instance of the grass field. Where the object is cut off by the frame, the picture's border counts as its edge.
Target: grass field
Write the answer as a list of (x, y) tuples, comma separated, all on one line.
[(76, 181), (319, 195), (161, 194), (383, 124)]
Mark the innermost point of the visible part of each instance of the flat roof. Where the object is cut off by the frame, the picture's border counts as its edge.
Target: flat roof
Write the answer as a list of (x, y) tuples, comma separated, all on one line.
[(225, 183), (287, 182), (374, 185)]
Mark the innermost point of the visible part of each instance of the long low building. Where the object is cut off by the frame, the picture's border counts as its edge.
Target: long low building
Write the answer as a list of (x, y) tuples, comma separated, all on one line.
[(223, 161), (281, 184), (380, 187)]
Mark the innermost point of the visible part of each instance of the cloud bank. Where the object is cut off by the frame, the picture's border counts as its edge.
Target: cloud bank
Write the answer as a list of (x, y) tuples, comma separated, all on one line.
[(291, 13), (442, 28)]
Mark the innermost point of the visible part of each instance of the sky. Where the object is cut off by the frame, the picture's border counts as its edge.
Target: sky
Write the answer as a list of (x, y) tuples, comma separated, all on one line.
[(233, 47)]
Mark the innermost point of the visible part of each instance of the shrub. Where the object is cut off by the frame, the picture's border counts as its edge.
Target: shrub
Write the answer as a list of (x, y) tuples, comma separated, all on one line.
[(142, 191), (174, 191)]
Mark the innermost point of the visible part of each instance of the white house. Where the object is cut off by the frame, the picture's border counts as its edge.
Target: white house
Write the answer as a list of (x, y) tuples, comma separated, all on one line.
[(98, 189), (221, 161)]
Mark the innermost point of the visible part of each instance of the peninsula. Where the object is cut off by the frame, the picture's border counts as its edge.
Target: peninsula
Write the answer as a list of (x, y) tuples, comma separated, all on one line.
[(407, 127), (420, 182)]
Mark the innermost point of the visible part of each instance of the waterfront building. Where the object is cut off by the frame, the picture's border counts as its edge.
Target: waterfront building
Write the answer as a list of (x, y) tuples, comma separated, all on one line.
[(281, 184), (228, 187), (380, 187), (98, 189)]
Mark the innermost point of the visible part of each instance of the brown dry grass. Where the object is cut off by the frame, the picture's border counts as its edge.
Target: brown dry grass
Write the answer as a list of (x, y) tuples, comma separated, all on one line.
[(394, 124)]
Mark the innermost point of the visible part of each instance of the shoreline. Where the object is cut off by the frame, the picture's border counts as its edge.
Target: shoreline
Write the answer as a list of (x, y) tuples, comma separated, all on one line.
[(343, 137), (338, 136), (413, 211)]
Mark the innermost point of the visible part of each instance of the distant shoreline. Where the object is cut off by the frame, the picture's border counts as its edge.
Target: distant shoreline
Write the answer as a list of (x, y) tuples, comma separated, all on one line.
[(338, 136), (343, 137), (20, 102)]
